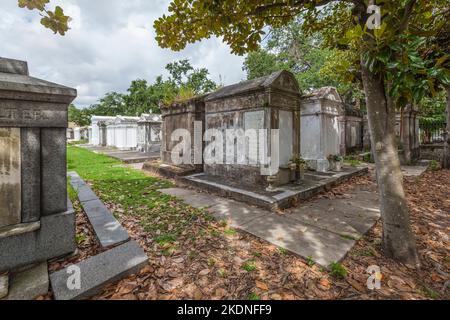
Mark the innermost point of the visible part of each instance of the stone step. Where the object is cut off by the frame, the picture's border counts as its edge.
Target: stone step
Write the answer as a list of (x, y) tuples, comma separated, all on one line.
[(107, 229), (98, 271)]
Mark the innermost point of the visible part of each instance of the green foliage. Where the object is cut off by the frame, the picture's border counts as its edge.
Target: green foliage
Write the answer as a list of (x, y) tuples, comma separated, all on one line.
[(282, 251), (230, 232), (55, 20), (261, 63), (81, 117), (184, 83), (249, 266), (290, 48), (80, 238), (253, 296), (310, 261), (430, 293), (337, 270), (434, 165), (353, 162), (432, 109), (409, 51)]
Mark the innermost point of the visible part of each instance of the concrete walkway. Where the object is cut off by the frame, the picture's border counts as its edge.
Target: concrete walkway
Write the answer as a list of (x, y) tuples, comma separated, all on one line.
[(324, 230), (123, 155)]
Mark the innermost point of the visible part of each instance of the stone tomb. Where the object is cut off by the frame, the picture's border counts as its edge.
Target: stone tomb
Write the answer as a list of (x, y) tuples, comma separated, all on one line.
[(97, 131), (149, 133), (37, 222), (351, 130), (407, 131), (271, 102), (121, 132), (321, 130), (182, 115)]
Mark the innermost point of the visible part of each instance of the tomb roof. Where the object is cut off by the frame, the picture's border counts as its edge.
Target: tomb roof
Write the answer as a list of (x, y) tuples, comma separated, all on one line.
[(16, 83), (282, 80), (151, 117)]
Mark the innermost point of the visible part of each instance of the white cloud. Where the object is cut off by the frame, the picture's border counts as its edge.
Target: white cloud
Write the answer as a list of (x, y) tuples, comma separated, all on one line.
[(111, 43)]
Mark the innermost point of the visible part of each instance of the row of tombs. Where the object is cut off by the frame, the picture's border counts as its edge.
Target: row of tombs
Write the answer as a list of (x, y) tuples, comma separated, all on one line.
[(124, 133), (315, 129)]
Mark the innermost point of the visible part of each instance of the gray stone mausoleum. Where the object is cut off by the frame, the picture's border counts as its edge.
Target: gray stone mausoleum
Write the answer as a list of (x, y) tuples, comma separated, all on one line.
[(271, 102), (37, 221)]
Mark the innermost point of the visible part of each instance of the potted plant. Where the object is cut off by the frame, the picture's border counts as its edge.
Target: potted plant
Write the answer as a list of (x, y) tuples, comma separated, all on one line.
[(335, 162)]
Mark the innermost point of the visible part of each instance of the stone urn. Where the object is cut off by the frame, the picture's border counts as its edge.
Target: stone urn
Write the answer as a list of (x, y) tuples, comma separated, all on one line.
[(272, 180), (338, 166)]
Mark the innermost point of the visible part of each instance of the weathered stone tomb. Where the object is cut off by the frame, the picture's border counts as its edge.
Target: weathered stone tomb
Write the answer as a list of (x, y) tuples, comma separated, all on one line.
[(320, 128), (271, 102), (182, 115), (37, 221), (149, 133)]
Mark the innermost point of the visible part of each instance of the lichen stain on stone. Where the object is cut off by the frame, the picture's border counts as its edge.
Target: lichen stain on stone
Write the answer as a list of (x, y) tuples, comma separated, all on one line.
[(9, 206), (10, 177)]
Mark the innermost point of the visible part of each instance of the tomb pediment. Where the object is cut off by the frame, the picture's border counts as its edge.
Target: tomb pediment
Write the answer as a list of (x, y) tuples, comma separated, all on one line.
[(327, 93), (281, 80)]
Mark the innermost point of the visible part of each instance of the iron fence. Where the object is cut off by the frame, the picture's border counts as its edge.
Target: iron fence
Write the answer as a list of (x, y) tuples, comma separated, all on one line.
[(431, 132)]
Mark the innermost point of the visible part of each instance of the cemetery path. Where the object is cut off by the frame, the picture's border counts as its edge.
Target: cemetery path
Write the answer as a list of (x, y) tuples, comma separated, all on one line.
[(323, 230)]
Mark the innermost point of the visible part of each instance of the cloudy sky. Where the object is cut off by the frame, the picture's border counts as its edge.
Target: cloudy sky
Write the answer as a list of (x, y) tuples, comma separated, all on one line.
[(111, 43)]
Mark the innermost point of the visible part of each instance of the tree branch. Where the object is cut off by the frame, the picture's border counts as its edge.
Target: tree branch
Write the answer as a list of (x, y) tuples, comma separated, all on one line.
[(406, 16)]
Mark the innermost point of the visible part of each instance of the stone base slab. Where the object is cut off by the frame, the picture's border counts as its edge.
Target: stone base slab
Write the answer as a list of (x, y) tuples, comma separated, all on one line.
[(56, 237), (170, 171), (98, 271), (29, 283), (282, 197)]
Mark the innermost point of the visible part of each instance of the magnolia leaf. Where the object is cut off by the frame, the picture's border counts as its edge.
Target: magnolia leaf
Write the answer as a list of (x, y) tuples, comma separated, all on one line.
[(33, 4)]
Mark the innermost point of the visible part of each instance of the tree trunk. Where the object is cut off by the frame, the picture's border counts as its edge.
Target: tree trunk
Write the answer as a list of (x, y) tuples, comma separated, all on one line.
[(398, 239), (446, 158)]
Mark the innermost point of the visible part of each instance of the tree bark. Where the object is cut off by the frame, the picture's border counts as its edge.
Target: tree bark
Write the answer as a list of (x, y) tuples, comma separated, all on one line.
[(446, 157), (398, 239)]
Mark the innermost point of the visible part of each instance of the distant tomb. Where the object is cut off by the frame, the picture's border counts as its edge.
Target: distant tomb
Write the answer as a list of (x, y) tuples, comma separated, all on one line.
[(407, 131), (97, 130), (182, 115), (37, 221), (122, 132), (352, 131), (149, 133), (321, 131)]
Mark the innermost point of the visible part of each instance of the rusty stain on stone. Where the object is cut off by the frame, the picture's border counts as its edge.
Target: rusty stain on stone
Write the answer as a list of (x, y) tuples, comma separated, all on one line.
[(10, 177)]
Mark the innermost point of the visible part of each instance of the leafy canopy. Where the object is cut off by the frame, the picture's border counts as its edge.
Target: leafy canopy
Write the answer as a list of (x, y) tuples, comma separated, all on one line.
[(397, 51), (291, 48), (184, 82)]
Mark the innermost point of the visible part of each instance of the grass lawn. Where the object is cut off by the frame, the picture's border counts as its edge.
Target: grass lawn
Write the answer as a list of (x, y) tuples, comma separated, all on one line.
[(131, 192)]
